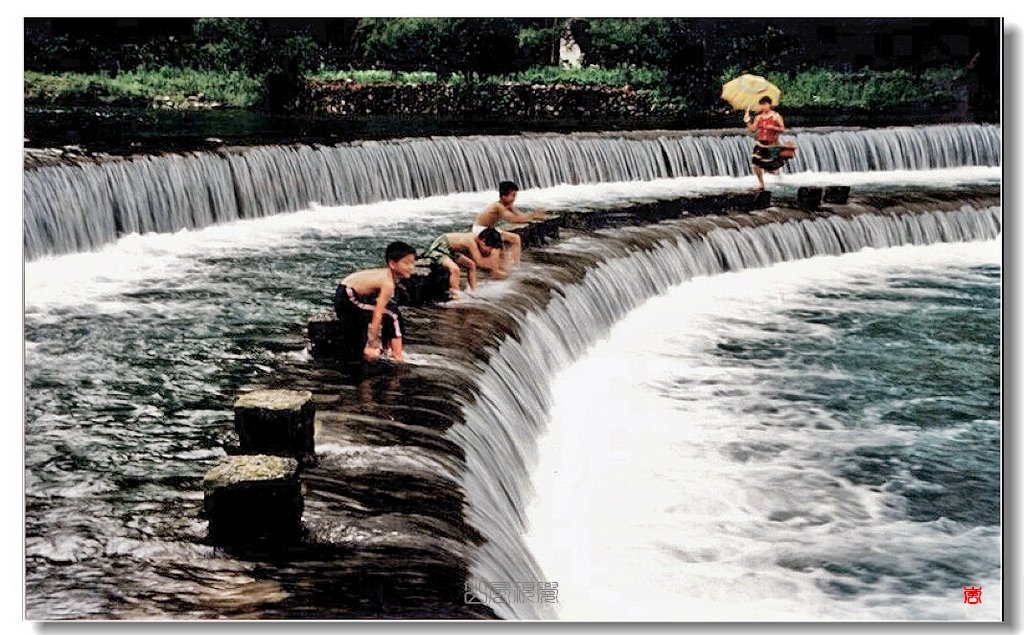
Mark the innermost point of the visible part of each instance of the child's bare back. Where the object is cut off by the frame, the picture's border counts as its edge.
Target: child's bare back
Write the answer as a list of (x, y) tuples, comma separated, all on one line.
[(491, 214), (369, 282)]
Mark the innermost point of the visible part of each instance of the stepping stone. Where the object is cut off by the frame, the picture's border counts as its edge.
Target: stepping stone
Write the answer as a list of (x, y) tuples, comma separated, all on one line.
[(808, 197), (253, 500), (278, 422), (836, 194)]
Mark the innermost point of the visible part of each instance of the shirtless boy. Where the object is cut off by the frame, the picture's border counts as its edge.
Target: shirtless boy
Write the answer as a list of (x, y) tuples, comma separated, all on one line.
[(465, 250), (365, 298), (503, 209)]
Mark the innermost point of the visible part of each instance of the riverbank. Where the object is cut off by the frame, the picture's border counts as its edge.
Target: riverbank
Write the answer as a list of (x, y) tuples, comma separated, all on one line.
[(170, 109), (128, 131)]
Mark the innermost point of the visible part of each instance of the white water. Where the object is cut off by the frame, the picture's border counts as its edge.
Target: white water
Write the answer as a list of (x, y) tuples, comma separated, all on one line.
[(70, 209), (639, 513), (72, 279)]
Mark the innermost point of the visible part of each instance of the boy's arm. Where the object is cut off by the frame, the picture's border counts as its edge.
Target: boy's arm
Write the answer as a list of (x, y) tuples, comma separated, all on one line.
[(514, 216), (373, 333), (469, 264)]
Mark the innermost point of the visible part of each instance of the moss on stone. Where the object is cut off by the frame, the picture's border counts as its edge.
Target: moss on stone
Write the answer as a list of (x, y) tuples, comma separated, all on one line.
[(233, 470), (275, 399)]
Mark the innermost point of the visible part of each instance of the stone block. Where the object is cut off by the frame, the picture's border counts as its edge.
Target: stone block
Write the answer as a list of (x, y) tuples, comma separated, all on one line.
[(836, 194), (808, 197), (253, 500), (278, 422)]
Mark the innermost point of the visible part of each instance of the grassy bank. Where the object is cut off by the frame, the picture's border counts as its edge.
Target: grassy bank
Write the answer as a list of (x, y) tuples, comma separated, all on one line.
[(141, 87), (865, 89), (811, 88)]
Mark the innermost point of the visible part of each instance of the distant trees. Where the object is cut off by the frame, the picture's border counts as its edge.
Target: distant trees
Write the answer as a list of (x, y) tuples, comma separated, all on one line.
[(249, 45), (691, 54), (470, 46), (402, 43)]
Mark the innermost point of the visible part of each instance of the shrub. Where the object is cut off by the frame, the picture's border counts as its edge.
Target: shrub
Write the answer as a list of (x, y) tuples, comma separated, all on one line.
[(402, 43)]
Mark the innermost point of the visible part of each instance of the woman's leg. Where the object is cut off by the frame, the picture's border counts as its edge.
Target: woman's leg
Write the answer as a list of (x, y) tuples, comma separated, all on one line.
[(759, 173)]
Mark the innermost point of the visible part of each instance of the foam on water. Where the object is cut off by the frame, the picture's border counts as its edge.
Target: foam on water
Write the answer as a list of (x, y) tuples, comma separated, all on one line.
[(671, 484), (72, 279)]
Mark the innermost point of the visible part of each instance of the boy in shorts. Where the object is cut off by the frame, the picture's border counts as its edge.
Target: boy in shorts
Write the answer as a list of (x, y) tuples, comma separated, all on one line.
[(363, 300), (465, 250)]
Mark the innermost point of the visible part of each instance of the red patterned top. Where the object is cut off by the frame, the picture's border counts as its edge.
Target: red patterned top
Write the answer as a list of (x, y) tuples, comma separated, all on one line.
[(768, 129)]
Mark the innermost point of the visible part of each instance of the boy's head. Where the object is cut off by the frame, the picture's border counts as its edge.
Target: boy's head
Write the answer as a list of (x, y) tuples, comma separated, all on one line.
[(401, 258), (765, 103), (487, 240), (507, 192)]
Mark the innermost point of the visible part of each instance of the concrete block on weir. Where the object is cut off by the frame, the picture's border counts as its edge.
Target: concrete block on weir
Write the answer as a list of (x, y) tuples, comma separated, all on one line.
[(576, 219), (720, 203), (278, 422), (547, 229), (536, 233), (836, 194), (526, 232), (326, 336), (808, 197), (253, 500), (427, 285)]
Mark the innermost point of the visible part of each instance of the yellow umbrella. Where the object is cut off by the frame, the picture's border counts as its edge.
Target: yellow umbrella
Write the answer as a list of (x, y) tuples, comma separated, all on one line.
[(745, 91)]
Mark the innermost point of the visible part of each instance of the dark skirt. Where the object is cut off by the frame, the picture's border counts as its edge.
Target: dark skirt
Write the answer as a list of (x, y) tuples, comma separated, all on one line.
[(767, 158)]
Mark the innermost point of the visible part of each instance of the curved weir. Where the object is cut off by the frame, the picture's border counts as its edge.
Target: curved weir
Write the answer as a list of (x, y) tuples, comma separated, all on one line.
[(421, 493), (74, 207), (502, 425)]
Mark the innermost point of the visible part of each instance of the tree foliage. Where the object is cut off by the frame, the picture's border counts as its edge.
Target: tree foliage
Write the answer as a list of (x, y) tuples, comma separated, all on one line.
[(483, 46), (470, 46), (402, 43)]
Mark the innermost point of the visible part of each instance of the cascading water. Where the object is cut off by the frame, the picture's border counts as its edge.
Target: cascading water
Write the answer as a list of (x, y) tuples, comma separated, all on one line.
[(72, 208), (502, 425), (134, 354), (809, 441)]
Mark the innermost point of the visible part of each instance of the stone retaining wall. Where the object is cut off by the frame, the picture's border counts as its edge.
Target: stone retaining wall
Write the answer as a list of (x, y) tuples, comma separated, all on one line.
[(511, 101)]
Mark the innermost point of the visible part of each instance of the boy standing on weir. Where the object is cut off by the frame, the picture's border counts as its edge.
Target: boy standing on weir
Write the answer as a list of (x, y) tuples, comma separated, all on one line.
[(364, 300), (467, 250), (503, 209)]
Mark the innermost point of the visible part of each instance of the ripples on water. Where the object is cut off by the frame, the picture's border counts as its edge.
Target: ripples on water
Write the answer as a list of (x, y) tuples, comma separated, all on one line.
[(815, 440), (129, 402), (134, 356)]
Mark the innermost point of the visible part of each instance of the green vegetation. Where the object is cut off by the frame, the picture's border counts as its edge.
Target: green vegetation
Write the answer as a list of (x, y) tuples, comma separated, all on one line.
[(376, 77), (865, 89), (591, 75), (231, 88), (410, 43), (813, 87), (256, 62)]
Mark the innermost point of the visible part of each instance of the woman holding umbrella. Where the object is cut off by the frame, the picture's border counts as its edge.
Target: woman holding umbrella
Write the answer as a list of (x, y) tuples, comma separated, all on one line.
[(748, 92), (766, 126)]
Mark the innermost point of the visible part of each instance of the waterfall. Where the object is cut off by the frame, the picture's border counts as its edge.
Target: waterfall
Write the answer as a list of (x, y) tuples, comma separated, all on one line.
[(80, 207), (618, 272)]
